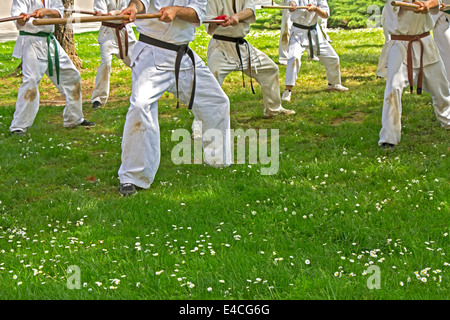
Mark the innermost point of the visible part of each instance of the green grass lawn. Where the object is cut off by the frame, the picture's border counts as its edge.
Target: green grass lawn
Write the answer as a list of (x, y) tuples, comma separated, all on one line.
[(338, 205)]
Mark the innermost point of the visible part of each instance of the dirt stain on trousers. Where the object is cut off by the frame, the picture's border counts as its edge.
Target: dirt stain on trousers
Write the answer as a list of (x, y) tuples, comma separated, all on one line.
[(31, 94), (76, 93)]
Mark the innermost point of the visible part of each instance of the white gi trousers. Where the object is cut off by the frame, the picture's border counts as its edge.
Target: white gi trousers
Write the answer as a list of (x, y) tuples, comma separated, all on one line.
[(441, 35), (34, 66), (108, 48), (141, 137), (223, 59), (286, 24), (328, 57), (434, 82)]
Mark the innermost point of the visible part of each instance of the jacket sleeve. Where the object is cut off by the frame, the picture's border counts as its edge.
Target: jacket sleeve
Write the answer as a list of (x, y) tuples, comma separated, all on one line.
[(199, 6)]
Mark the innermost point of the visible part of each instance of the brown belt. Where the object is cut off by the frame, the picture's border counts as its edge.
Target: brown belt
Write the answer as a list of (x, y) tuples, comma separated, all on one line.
[(409, 62), (118, 27)]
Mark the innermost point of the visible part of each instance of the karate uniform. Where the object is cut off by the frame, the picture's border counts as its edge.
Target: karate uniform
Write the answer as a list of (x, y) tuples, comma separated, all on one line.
[(299, 42), (152, 75), (33, 50), (441, 35), (393, 65), (223, 57), (109, 46), (286, 25)]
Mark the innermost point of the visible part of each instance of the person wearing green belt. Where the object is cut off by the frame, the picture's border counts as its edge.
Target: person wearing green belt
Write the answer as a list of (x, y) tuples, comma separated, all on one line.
[(42, 54)]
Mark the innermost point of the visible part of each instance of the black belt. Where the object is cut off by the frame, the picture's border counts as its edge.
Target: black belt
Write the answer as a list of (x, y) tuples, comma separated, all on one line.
[(238, 42), (310, 28), (181, 50)]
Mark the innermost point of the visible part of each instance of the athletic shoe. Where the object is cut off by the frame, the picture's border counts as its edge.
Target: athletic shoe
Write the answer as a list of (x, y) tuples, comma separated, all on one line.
[(286, 96), (127, 189), (87, 124), (387, 146), (96, 105), (271, 114), (18, 132), (336, 87)]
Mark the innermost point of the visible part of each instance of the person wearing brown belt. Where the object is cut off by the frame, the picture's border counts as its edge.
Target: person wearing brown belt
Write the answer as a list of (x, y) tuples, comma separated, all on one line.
[(409, 57), (115, 38)]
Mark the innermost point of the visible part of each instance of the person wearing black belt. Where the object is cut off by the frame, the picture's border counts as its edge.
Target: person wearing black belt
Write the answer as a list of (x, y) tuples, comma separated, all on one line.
[(42, 54), (162, 61), (410, 57), (115, 38), (229, 51), (306, 35)]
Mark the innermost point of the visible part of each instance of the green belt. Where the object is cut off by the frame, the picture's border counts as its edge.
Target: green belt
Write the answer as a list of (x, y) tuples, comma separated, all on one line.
[(310, 28), (49, 37)]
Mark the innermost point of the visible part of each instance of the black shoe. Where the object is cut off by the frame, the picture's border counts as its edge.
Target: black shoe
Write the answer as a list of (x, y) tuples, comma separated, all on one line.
[(18, 133), (127, 189), (96, 105), (387, 146), (87, 124)]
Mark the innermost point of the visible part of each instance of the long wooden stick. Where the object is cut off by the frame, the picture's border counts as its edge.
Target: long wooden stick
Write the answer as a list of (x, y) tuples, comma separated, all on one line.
[(9, 19), (283, 7), (66, 10), (213, 21), (79, 11), (406, 5), (49, 21)]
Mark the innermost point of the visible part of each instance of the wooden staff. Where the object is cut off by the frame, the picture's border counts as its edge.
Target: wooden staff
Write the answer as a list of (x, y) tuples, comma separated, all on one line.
[(9, 19), (283, 7), (79, 11), (405, 5), (49, 21), (213, 21)]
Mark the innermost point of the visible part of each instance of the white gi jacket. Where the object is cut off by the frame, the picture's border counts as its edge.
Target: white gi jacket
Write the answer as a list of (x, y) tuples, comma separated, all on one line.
[(106, 33), (239, 31), (29, 6), (306, 18), (178, 32)]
